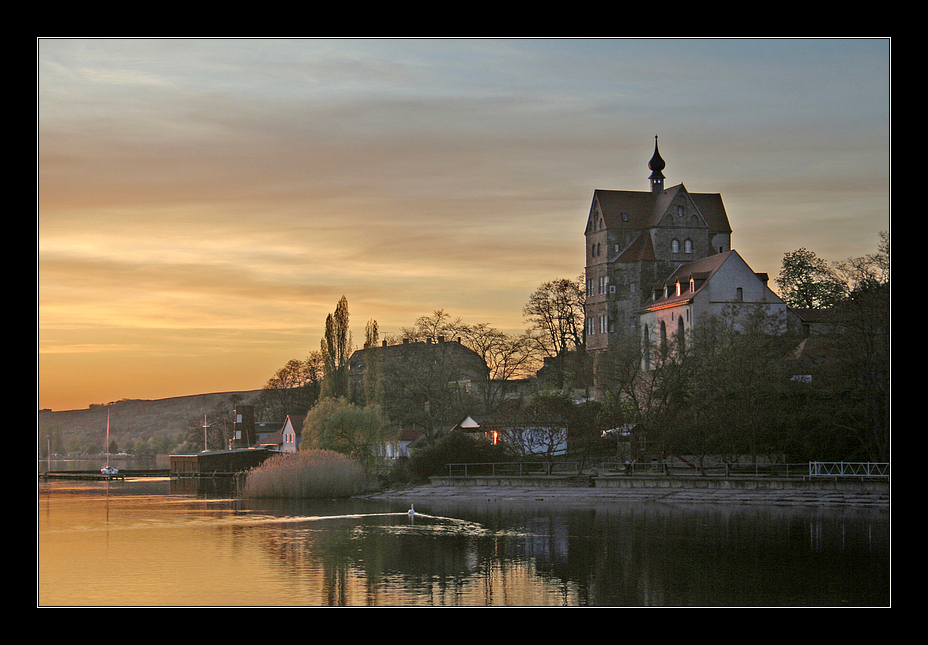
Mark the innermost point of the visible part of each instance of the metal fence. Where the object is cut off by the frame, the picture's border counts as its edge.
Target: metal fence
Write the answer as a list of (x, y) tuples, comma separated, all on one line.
[(515, 469), (855, 469), (814, 469), (707, 468)]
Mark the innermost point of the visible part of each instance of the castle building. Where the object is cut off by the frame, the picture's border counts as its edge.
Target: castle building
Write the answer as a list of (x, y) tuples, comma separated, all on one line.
[(648, 253)]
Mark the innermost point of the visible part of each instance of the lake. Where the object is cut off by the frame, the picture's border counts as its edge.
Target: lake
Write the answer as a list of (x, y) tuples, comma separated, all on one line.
[(192, 543)]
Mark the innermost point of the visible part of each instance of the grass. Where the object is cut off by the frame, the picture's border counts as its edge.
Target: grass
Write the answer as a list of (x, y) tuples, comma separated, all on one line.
[(306, 474)]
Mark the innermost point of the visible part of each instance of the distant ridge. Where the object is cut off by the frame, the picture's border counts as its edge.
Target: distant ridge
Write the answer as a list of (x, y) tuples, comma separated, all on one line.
[(137, 418)]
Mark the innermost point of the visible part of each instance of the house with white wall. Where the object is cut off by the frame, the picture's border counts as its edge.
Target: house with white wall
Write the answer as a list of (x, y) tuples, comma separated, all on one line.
[(524, 433), (276, 436), (720, 286)]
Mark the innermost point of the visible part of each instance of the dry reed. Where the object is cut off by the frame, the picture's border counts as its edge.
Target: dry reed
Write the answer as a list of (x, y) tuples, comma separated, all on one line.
[(306, 474)]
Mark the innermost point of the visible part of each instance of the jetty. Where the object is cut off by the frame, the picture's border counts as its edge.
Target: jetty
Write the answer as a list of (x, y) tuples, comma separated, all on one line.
[(96, 475)]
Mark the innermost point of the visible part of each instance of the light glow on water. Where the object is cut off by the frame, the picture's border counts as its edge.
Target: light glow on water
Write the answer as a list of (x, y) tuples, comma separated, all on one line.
[(148, 544)]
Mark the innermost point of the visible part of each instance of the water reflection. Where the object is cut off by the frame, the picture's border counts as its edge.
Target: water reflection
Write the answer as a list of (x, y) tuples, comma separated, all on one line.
[(160, 543)]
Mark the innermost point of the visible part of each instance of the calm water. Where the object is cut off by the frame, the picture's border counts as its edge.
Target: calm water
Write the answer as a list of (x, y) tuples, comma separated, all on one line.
[(166, 543)]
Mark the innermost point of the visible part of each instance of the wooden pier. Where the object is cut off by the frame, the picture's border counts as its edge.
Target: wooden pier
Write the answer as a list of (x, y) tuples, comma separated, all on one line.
[(212, 464), (96, 475)]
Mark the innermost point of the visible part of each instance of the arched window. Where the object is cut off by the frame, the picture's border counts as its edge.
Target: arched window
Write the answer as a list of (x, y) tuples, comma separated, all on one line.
[(688, 246), (646, 349), (675, 246), (681, 336), (739, 295)]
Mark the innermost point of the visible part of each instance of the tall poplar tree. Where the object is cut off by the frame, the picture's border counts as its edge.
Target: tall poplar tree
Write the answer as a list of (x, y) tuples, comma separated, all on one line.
[(336, 350)]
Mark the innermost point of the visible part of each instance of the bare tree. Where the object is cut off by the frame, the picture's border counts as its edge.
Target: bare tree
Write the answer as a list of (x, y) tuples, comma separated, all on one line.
[(507, 357), (431, 328), (292, 390), (555, 313)]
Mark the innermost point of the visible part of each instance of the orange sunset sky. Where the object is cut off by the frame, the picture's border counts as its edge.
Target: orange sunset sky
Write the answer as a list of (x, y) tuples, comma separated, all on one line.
[(203, 204)]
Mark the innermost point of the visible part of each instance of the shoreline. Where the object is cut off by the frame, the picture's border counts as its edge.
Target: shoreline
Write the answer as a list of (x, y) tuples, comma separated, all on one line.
[(579, 496)]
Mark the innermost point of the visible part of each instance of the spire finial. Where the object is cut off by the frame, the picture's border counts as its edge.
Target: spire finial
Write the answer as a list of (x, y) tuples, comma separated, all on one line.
[(656, 165)]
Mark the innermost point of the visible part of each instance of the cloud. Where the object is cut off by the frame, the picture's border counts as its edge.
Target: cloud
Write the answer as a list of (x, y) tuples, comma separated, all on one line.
[(219, 196)]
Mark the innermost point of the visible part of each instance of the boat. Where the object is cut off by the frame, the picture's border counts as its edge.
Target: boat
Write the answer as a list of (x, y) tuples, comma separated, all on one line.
[(108, 470)]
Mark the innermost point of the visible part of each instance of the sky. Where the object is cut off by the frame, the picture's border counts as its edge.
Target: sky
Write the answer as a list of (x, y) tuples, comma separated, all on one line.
[(202, 205)]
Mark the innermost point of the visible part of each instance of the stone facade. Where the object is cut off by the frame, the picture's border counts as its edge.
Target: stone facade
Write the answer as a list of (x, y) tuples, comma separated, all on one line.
[(635, 239)]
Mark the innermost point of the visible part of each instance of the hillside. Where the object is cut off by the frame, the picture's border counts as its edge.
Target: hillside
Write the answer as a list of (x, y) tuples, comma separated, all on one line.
[(135, 418)]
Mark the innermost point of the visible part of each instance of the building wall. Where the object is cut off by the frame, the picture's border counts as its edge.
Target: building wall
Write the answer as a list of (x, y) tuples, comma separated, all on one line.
[(734, 290)]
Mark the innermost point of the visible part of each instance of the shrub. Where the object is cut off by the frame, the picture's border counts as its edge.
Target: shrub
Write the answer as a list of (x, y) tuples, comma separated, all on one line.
[(306, 474), (456, 448)]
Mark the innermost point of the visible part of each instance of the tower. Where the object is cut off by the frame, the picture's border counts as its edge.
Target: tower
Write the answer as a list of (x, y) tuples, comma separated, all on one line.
[(635, 239), (656, 165)]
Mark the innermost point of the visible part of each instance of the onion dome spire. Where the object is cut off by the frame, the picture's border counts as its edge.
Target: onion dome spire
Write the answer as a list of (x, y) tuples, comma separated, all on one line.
[(656, 165)]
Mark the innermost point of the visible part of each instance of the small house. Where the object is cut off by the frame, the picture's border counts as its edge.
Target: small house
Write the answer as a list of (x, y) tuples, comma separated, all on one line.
[(280, 437), (525, 433)]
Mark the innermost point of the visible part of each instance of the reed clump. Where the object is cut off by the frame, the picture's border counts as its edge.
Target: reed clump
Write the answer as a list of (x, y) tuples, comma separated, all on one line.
[(306, 474)]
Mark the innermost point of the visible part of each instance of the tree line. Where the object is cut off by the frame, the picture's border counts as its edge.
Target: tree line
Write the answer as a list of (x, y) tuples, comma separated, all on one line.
[(735, 385), (730, 387)]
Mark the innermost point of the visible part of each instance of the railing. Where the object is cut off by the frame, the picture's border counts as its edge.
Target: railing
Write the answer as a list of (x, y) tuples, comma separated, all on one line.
[(707, 468), (856, 469), (814, 469), (515, 469)]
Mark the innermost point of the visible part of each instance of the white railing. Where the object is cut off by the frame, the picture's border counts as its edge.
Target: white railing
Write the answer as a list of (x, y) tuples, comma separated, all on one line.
[(848, 469)]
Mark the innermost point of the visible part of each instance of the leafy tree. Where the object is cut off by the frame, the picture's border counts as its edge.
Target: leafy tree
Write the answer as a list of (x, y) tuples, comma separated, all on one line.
[(373, 365), (455, 447), (807, 282), (343, 427), (738, 387), (336, 350), (857, 344), (429, 385)]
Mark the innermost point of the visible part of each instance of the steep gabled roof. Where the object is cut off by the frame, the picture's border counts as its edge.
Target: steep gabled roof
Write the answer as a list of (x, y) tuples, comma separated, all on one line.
[(702, 270), (705, 266), (638, 210), (640, 249)]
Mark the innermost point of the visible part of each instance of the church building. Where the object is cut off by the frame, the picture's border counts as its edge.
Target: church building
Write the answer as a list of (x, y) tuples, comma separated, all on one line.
[(658, 261)]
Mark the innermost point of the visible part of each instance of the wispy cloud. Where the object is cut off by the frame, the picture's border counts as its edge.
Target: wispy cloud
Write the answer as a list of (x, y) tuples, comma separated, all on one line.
[(245, 185)]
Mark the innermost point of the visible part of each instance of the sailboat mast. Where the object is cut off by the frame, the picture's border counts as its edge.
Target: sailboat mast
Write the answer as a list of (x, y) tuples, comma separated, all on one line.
[(107, 437)]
